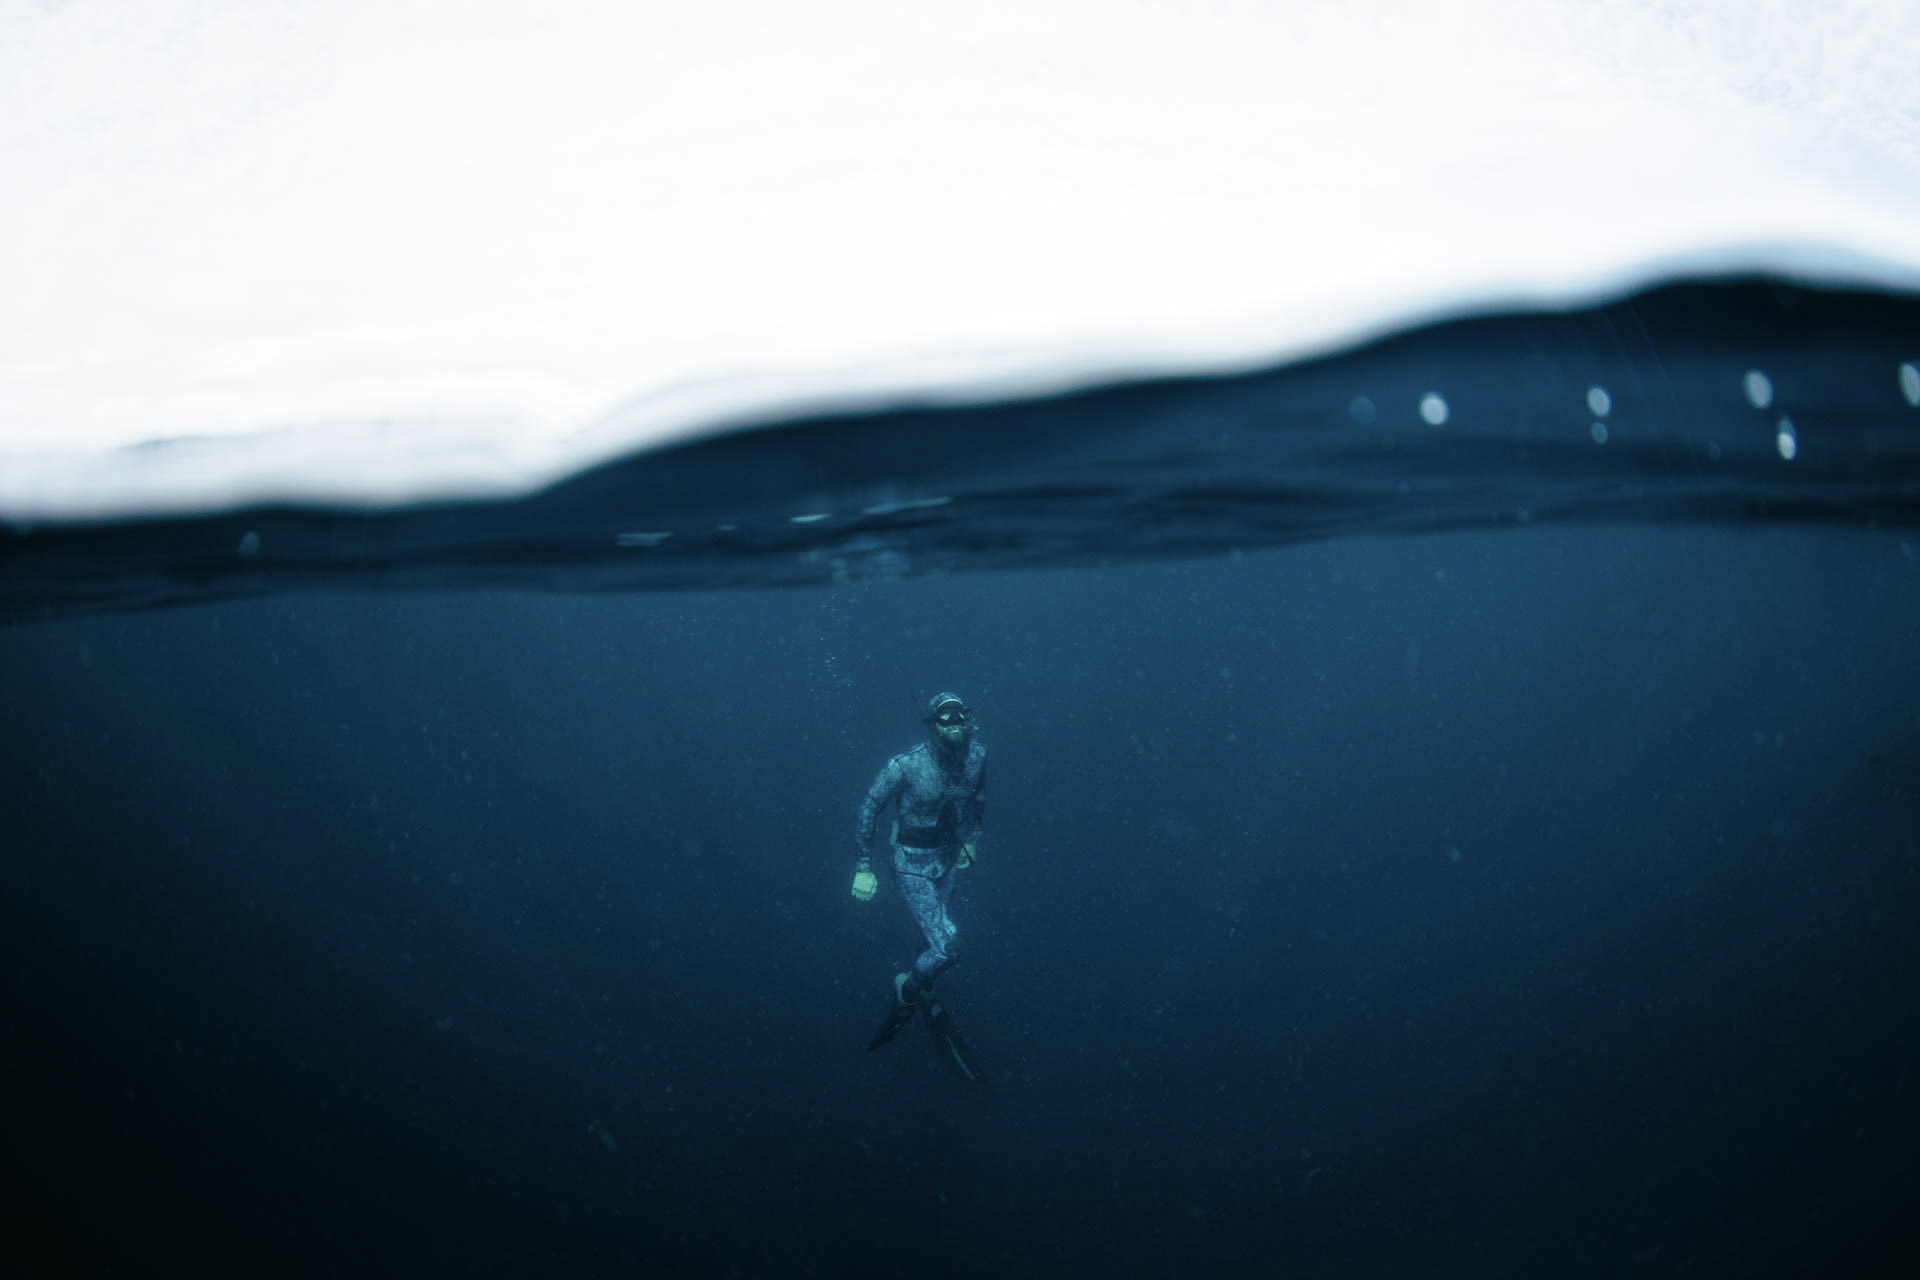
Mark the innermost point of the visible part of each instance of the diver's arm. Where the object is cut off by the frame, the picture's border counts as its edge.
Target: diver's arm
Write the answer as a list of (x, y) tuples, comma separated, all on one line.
[(976, 819), (879, 795)]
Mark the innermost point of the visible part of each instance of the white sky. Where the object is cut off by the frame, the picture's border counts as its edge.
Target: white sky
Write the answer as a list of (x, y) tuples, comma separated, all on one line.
[(425, 247)]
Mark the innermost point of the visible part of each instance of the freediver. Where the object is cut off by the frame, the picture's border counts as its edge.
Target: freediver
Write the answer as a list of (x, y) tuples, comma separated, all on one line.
[(941, 790)]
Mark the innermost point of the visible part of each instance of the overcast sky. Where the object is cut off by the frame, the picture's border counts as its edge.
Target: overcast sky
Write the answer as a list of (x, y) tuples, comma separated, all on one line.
[(499, 222)]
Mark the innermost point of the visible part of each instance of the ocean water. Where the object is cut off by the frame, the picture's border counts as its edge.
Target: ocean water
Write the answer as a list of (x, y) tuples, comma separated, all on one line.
[(1454, 812)]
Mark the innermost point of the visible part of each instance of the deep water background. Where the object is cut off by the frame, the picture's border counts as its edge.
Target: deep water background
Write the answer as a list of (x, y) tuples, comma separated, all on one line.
[(1535, 903)]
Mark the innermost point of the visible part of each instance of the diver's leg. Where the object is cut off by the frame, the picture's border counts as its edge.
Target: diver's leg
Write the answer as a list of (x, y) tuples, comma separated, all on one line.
[(943, 888), (927, 899)]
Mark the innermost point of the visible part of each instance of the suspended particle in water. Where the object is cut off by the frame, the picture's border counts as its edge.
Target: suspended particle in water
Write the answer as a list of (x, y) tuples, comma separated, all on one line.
[(1759, 389), (249, 545), (1910, 383), (1785, 440), (1360, 409), (1599, 432), (1599, 402), (1433, 408)]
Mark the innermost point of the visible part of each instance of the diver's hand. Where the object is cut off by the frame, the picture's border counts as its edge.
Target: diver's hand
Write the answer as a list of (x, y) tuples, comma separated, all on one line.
[(864, 883), (966, 855)]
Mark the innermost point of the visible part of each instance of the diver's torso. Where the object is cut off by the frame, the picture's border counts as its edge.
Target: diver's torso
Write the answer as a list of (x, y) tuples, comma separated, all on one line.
[(937, 798)]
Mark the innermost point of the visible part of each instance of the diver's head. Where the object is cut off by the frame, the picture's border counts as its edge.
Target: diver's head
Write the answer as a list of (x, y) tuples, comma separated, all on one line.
[(949, 721)]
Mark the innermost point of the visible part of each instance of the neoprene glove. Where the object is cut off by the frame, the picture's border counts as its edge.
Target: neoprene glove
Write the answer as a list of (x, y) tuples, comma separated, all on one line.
[(864, 883)]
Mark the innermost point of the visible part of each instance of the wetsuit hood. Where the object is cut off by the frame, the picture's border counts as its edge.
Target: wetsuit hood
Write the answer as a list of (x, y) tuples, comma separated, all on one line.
[(938, 705)]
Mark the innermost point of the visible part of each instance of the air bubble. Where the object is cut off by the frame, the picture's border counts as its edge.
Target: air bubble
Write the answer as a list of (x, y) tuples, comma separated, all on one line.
[(1599, 432), (1599, 403), (1910, 383), (1785, 440), (1759, 389), (1433, 408), (1360, 409)]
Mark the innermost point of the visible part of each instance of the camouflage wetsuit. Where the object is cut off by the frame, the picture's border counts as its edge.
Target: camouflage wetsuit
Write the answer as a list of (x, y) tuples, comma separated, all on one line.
[(943, 801)]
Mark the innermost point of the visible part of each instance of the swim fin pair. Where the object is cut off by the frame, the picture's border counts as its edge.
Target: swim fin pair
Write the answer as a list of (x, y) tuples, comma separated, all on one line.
[(908, 1000)]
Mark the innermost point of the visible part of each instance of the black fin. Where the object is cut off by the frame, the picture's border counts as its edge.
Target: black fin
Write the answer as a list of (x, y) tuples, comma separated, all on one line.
[(954, 1050), (899, 1014)]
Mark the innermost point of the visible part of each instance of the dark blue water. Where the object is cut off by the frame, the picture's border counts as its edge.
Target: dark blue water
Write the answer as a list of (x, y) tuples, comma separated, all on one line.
[(1482, 852)]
